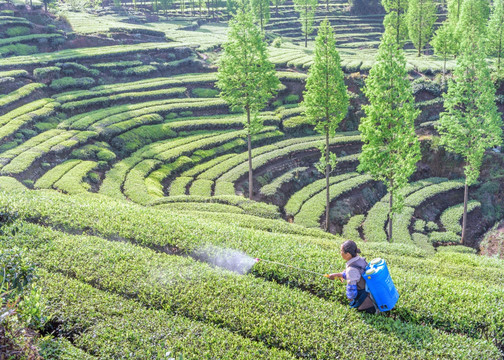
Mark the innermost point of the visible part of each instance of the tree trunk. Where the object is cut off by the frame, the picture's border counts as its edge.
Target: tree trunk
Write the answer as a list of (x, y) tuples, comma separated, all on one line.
[(420, 44), (464, 217), (249, 154), (499, 54), (398, 20), (306, 27), (327, 182), (45, 6), (390, 212), (444, 71), (327, 5)]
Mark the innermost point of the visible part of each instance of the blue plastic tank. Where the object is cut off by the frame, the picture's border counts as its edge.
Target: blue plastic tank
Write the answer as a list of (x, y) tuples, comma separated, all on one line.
[(380, 284)]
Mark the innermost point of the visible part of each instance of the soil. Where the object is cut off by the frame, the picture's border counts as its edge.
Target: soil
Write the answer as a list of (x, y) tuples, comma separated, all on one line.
[(495, 242), (355, 203), (23, 347)]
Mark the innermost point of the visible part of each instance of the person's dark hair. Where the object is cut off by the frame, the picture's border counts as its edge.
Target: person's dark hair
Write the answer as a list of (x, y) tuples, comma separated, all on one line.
[(351, 248)]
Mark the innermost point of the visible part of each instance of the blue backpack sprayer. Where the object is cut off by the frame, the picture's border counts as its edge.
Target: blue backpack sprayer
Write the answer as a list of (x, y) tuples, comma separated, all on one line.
[(378, 282)]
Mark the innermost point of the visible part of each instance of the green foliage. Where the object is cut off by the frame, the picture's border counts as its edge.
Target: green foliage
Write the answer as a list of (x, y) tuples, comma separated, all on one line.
[(26, 114), (430, 283), (17, 31), (391, 147), (53, 141), (419, 225), (17, 50), (261, 11), (472, 26), (110, 326), (246, 78), (297, 200), (204, 93), (431, 226), (450, 218), (87, 53), (312, 210), (70, 82), (350, 230), (306, 10), (46, 72), (443, 237), (138, 70), (495, 35), (420, 18), (470, 123), (325, 98), (445, 42), (395, 21), (291, 99), (40, 38), (277, 42), (271, 188), (19, 94)]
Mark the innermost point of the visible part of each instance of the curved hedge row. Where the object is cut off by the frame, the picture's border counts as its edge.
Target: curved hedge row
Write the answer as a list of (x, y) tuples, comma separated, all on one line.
[(451, 217), (297, 200), (128, 96), (47, 180), (85, 54), (274, 186), (260, 160), (71, 182), (350, 230), (26, 114), (312, 209), (20, 158), (20, 93)]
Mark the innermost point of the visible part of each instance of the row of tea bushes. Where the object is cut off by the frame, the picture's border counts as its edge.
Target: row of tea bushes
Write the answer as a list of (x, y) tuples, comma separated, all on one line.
[(279, 317), (414, 273), (109, 326)]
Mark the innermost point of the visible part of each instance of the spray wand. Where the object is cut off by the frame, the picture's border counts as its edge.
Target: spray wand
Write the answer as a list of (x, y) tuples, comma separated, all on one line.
[(292, 267)]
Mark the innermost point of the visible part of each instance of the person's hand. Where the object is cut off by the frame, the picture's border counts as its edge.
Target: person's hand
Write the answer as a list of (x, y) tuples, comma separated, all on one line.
[(336, 275)]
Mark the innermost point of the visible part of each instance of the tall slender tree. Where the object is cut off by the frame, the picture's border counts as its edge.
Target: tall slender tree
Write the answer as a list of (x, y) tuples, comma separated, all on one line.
[(306, 10), (496, 32), (261, 11), (246, 77), (470, 123), (277, 3), (391, 148), (445, 44), (472, 24), (325, 97), (395, 20), (454, 10), (421, 17)]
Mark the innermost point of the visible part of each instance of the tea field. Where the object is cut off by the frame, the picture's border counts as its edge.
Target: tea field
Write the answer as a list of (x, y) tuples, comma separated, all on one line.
[(127, 174)]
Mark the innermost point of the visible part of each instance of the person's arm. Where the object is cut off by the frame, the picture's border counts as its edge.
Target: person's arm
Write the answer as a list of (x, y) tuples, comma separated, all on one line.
[(342, 276), (353, 278)]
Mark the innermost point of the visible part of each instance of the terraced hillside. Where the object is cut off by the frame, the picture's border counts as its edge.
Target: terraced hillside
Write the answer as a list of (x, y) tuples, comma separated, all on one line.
[(128, 172)]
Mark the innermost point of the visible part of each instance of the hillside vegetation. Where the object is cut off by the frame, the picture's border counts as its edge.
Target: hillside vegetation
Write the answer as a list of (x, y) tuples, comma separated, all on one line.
[(124, 176)]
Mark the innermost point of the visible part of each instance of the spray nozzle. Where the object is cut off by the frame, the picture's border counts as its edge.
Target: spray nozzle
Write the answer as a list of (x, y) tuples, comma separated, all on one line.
[(257, 259), (326, 275)]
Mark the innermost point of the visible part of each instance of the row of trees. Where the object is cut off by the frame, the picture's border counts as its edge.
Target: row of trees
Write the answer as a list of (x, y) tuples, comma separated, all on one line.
[(469, 125)]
